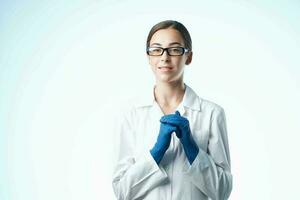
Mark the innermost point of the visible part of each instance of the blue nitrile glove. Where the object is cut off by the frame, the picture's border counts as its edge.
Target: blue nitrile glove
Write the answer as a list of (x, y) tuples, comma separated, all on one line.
[(183, 133), (163, 141)]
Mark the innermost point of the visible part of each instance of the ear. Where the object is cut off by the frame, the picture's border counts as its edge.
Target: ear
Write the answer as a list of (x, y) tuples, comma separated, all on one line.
[(189, 58)]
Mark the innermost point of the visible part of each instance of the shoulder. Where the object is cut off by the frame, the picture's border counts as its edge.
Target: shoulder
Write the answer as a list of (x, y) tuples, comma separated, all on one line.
[(198, 102), (210, 108), (215, 111), (208, 105), (126, 109), (205, 104)]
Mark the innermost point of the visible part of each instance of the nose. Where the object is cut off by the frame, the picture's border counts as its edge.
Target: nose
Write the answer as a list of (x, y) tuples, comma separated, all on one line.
[(165, 56)]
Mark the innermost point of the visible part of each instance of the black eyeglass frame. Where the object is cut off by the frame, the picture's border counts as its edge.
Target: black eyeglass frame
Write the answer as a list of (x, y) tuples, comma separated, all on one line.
[(184, 50)]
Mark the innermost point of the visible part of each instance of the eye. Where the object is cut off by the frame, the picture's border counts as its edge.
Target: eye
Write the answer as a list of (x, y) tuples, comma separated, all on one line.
[(176, 50), (155, 49)]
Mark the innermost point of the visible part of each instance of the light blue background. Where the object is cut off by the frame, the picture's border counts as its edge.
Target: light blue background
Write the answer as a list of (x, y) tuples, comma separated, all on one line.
[(66, 65)]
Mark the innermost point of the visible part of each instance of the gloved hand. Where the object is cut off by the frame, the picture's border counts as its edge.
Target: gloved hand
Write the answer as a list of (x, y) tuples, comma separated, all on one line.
[(183, 132), (163, 141)]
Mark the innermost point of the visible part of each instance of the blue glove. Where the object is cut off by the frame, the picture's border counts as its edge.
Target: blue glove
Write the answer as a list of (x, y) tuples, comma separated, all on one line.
[(163, 141), (183, 132)]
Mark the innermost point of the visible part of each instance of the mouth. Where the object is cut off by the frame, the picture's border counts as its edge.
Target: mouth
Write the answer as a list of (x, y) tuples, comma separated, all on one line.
[(165, 68)]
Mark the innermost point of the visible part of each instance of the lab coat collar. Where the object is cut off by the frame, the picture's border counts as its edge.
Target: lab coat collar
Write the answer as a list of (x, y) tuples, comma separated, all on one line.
[(190, 99)]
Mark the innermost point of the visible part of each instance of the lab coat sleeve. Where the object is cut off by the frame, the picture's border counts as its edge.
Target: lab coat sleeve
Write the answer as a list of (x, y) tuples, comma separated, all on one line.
[(133, 176), (211, 171)]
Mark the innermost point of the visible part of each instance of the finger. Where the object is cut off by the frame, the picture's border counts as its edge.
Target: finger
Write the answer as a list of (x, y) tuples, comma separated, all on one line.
[(176, 129), (170, 117), (177, 115), (178, 133), (170, 126), (176, 118), (172, 120), (172, 129)]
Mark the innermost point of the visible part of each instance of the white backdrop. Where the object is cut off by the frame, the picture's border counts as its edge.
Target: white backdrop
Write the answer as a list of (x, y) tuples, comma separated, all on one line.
[(65, 66)]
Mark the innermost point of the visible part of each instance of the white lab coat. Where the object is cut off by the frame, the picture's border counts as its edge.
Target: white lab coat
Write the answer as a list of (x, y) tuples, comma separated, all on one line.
[(136, 174)]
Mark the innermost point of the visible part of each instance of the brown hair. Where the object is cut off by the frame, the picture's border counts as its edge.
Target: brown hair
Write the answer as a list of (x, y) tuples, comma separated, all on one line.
[(175, 25)]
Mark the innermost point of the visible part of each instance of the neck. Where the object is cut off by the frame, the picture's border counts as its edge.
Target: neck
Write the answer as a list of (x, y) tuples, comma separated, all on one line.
[(169, 94)]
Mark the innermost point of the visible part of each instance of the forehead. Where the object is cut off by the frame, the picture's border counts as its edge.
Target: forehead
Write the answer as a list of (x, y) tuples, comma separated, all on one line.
[(166, 37)]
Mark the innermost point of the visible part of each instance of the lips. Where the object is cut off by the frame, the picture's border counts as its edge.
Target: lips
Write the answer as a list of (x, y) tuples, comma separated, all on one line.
[(165, 67)]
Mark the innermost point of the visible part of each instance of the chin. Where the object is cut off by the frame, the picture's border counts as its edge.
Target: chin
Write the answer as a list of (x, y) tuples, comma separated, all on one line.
[(165, 79)]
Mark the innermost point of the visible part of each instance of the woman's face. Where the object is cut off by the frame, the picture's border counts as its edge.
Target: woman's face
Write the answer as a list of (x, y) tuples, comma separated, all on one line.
[(168, 68)]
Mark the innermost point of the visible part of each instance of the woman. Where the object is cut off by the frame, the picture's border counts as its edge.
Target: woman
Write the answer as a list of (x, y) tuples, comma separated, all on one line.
[(172, 144)]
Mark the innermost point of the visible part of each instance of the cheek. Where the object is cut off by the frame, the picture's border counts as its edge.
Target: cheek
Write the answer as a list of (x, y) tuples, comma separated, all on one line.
[(153, 63), (179, 63)]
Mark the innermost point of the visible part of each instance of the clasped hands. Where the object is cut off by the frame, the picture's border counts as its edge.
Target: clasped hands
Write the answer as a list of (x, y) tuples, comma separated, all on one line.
[(180, 125)]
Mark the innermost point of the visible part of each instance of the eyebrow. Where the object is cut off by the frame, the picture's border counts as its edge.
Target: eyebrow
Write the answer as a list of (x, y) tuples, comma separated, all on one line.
[(172, 43)]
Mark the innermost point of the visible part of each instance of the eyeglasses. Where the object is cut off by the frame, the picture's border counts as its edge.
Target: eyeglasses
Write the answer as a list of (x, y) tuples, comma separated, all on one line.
[(172, 51)]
